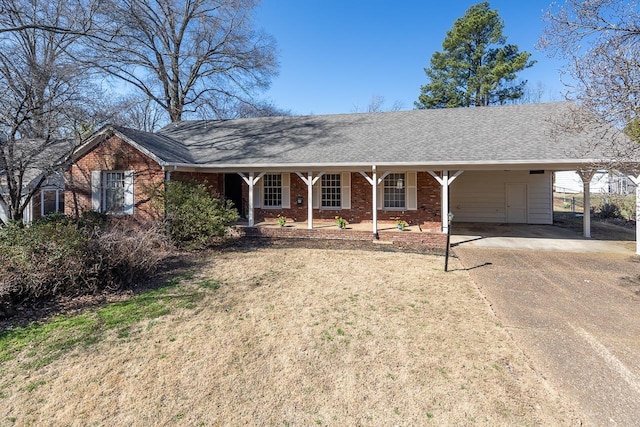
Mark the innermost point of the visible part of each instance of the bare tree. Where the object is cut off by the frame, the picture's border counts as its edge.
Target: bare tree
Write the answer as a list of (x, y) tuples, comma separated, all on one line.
[(43, 92), (139, 112), (601, 43), (79, 23), (377, 105), (185, 55)]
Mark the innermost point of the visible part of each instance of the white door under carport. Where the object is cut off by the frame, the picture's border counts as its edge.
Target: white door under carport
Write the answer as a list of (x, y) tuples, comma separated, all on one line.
[(516, 195)]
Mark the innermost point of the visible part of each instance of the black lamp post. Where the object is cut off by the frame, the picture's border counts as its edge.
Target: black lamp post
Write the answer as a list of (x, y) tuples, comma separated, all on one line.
[(446, 256)]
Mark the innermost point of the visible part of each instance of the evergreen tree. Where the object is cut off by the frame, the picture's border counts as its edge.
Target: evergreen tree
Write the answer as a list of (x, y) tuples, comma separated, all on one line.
[(476, 66)]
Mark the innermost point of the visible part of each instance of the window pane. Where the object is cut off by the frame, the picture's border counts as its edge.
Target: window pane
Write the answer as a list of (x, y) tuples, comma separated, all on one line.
[(114, 192), (394, 190), (49, 205), (331, 196), (272, 190)]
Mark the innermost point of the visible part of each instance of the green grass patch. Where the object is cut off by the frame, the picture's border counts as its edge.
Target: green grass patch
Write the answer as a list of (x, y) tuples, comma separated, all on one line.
[(42, 343)]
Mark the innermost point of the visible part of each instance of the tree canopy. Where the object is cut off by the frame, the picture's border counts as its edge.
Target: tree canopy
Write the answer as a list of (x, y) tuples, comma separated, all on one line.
[(174, 59), (476, 67), (600, 41), (187, 56)]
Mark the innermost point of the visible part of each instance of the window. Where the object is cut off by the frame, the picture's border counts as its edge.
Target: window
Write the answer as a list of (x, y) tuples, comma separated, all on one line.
[(114, 192), (51, 201), (331, 191), (395, 191), (272, 190)]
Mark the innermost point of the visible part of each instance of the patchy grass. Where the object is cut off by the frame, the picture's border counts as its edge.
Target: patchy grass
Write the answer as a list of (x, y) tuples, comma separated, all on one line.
[(39, 344), (282, 337)]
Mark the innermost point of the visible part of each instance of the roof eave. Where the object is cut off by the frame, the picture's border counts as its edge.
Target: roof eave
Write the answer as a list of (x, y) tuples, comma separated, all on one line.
[(105, 133), (555, 164)]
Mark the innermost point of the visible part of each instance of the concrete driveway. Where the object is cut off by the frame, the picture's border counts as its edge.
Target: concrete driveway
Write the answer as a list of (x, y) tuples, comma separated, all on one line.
[(542, 237), (574, 310)]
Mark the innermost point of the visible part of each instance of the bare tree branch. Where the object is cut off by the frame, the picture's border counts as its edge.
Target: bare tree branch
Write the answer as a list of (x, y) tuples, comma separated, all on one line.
[(185, 54), (600, 41)]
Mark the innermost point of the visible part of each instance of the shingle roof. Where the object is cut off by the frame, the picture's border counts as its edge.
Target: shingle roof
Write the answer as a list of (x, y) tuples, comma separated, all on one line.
[(484, 136), (516, 133), (164, 148)]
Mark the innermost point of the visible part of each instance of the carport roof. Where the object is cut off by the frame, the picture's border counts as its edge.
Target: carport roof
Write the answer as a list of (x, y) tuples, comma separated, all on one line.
[(522, 136)]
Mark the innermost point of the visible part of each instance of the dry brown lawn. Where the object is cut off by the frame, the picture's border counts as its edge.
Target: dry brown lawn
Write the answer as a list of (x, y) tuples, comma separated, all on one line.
[(300, 337)]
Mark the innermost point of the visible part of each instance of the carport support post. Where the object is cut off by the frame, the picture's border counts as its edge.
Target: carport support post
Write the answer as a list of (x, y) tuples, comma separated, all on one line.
[(586, 176), (636, 181)]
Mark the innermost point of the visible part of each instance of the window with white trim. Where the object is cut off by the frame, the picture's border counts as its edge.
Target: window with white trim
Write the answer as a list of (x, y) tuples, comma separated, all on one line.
[(331, 190), (51, 201), (112, 192), (114, 184), (394, 195), (272, 191)]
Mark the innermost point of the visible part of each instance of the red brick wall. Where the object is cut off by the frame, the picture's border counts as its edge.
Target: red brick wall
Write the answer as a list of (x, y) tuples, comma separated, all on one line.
[(435, 241), (213, 181), (428, 214), (114, 154)]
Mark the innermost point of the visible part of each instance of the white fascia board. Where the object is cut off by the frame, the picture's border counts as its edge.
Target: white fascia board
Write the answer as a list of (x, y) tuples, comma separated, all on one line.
[(357, 166), (106, 133)]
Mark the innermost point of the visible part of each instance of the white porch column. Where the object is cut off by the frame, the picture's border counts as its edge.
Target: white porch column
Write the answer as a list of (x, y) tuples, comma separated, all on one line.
[(445, 181), (310, 181), (374, 181), (585, 176), (374, 203), (251, 181), (636, 181)]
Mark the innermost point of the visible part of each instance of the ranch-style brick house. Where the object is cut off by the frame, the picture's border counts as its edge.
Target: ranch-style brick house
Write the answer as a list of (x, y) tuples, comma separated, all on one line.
[(487, 164)]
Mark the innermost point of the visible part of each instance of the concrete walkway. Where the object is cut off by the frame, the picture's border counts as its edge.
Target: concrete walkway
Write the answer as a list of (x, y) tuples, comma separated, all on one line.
[(533, 237), (573, 306)]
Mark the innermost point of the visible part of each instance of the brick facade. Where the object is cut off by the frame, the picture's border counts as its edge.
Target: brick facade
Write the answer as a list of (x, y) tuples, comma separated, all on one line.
[(427, 215), (113, 154)]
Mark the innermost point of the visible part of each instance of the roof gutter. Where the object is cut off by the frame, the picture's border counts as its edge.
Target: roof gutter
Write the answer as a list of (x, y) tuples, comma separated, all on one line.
[(520, 164)]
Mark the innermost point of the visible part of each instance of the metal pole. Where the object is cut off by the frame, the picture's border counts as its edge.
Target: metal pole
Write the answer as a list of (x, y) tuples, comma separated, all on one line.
[(446, 256)]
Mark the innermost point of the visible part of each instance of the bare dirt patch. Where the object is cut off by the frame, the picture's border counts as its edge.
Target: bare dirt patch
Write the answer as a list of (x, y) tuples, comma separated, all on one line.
[(299, 336)]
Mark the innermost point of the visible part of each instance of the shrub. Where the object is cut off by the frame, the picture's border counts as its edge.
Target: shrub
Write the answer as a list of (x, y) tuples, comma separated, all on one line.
[(194, 217), (609, 210), (44, 259), (56, 256)]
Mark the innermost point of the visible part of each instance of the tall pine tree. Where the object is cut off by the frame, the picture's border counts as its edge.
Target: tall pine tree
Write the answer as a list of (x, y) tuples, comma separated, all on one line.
[(476, 66)]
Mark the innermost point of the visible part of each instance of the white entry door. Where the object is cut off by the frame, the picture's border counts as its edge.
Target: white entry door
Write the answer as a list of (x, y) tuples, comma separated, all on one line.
[(517, 203)]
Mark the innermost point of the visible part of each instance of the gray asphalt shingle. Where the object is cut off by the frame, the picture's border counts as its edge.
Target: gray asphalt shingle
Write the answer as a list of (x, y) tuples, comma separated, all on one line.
[(492, 135)]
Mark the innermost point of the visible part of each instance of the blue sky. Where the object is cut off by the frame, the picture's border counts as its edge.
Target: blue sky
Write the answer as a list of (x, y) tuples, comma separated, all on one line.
[(336, 54)]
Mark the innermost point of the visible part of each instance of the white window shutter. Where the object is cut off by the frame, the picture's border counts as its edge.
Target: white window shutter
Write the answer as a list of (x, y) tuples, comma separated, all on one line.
[(345, 192), (96, 191), (286, 191), (257, 193), (380, 190), (411, 193), (317, 194), (128, 192)]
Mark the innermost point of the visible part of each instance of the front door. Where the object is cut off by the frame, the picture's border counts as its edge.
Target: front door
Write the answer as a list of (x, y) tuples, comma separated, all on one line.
[(516, 203), (233, 191)]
